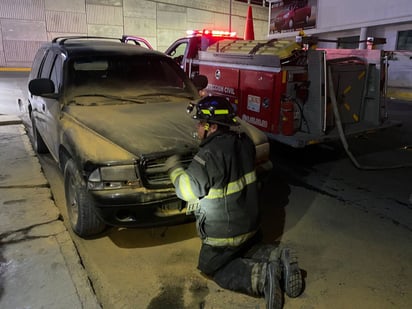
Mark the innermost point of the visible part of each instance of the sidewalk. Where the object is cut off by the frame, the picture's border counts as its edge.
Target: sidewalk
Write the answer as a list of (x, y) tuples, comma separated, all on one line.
[(39, 264)]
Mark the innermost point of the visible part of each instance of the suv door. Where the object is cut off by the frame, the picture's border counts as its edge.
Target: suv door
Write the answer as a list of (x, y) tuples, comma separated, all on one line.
[(53, 107), (36, 103), (46, 110)]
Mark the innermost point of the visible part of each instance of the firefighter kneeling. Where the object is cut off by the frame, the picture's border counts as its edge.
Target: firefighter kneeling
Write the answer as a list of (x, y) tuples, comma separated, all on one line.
[(220, 187)]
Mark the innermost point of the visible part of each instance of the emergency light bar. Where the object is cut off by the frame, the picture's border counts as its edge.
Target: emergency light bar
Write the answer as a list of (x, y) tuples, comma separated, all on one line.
[(217, 33)]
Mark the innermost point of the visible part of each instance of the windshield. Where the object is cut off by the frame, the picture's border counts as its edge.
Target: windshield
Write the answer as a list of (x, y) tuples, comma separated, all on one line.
[(125, 80)]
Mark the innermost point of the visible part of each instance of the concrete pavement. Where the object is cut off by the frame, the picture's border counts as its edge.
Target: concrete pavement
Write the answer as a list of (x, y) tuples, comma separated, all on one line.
[(39, 264)]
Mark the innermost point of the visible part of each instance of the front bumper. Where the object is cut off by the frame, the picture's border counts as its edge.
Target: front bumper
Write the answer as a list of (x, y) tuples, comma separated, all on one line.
[(133, 208)]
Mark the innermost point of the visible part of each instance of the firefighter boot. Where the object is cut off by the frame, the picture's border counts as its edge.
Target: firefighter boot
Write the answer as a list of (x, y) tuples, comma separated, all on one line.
[(291, 274), (271, 288)]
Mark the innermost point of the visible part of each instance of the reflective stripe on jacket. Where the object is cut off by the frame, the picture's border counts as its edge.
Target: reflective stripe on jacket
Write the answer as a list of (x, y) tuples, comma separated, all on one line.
[(229, 241)]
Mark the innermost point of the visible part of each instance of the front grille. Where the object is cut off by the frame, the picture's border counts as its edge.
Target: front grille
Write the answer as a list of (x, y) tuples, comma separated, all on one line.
[(153, 173)]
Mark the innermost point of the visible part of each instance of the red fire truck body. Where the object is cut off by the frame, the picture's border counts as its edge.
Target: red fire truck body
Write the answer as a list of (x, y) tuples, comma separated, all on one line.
[(289, 92), (250, 89)]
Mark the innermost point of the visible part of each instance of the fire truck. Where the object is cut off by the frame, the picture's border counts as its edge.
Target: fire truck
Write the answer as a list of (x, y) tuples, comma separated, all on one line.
[(297, 94)]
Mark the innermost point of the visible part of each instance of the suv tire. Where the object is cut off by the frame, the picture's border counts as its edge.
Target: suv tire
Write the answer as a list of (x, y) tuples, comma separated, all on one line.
[(80, 210)]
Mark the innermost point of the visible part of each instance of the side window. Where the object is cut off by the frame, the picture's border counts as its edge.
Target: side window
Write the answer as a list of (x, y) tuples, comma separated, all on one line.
[(178, 53), (179, 50), (404, 40), (37, 63), (56, 73), (349, 42), (48, 64)]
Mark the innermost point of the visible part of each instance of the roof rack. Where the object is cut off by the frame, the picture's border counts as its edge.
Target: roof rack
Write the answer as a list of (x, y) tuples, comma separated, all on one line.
[(63, 39)]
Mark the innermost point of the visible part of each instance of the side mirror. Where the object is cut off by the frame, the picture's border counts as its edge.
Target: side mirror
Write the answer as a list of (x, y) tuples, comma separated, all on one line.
[(41, 87), (200, 81)]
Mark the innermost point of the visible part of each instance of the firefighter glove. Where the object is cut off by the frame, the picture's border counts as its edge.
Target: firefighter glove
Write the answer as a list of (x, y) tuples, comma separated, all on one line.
[(172, 162)]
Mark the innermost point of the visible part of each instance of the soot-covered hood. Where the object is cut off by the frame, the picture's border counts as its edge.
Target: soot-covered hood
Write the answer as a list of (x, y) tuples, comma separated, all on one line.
[(141, 129)]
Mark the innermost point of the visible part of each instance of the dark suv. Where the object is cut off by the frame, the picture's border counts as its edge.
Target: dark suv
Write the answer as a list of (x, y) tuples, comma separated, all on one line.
[(110, 113)]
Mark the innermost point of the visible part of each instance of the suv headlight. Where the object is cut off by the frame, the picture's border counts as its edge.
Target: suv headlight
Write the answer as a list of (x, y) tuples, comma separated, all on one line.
[(113, 177)]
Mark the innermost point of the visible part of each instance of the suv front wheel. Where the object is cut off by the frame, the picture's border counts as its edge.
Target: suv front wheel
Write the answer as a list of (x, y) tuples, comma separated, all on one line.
[(82, 216)]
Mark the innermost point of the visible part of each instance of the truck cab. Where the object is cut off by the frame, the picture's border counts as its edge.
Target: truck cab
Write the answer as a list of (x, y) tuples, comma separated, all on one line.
[(185, 50)]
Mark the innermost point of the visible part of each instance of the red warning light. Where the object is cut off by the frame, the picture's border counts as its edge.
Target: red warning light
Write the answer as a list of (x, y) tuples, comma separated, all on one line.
[(215, 33)]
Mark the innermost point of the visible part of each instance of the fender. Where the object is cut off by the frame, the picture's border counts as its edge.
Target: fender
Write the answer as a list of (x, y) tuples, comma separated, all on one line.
[(87, 147)]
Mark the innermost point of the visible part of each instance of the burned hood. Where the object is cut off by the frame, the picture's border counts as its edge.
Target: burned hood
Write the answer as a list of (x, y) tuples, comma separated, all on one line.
[(141, 129)]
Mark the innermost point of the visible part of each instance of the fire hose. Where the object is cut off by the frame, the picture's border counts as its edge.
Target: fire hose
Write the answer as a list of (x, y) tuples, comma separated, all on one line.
[(343, 137)]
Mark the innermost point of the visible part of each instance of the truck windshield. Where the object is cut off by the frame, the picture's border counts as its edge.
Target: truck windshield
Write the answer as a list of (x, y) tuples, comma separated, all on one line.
[(125, 75)]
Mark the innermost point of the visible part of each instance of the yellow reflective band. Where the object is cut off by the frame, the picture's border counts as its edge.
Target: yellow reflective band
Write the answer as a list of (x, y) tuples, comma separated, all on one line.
[(361, 75), (347, 89), (355, 117), (233, 187), (347, 106), (184, 186), (216, 112), (221, 112), (176, 173), (228, 242), (284, 76)]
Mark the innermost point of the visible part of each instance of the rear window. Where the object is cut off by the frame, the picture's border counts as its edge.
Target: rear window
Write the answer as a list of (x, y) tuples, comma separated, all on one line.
[(90, 65)]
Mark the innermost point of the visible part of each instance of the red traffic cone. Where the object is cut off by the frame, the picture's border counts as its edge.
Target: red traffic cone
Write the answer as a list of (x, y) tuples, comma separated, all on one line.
[(249, 32)]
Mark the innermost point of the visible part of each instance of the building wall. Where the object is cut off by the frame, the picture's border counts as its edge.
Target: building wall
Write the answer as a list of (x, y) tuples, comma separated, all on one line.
[(337, 14), (337, 18), (378, 18), (26, 24)]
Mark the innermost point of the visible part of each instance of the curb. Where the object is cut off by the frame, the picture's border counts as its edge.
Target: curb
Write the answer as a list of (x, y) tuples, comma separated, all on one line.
[(9, 120), (404, 94), (15, 69)]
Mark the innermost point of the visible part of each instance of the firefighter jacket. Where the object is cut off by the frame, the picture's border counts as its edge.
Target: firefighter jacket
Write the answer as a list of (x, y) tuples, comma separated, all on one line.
[(221, 180)]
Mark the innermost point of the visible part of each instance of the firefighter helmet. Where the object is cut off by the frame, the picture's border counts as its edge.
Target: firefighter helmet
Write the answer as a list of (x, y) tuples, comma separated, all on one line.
[(215, 109)]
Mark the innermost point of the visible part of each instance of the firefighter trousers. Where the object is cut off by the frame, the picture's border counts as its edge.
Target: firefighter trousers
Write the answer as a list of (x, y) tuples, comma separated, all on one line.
[(233, 268)]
